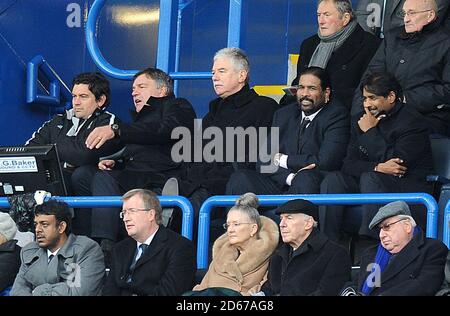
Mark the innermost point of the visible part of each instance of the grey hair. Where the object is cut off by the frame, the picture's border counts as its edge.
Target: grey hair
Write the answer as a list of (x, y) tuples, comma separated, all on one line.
[(433, 5), (307, 217), (150, 201), (343, 6), (248, 204), (411, 220), (160, 77), (237, 56)]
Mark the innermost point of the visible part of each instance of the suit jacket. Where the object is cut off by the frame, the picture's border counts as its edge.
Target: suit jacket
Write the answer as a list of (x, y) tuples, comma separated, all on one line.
[(324, 141), (346, 65), (317, 267), (167, 267), (401, 134), (77, 269), (418, 269), (9, 263)]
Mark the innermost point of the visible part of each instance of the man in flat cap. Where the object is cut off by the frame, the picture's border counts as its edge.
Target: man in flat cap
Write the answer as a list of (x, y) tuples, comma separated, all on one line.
[(405, 262), (307, 263)]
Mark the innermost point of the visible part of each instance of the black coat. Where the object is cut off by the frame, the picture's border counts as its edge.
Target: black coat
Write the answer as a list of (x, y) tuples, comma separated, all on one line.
[(324, 142), (167, 267), (72, 149), (418, 269), (147, 156), (317, 267), (243, 109), (9, 263), (346, 65), (421, 64), (401, 134)]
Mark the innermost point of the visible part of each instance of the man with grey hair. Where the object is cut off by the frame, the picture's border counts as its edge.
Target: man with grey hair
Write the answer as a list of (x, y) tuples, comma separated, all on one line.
[(425, 76), (341, 47), (405, 262), (153, 260), (307, 263), (146, 161), (237, 105)]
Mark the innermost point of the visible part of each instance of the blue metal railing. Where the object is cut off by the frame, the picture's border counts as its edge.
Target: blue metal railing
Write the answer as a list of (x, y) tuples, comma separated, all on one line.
[(115, 201), (56, 87), (446, 228), (164, 43), (322, 199)]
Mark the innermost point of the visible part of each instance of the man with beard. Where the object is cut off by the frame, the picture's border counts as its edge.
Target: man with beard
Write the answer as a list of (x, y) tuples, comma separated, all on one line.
[(313, 136), (59, 263)]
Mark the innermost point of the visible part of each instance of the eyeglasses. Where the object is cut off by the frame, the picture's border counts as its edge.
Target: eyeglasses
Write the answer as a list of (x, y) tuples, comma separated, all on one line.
[(387, 227), (403, 13), (132, 211), (226, 226)]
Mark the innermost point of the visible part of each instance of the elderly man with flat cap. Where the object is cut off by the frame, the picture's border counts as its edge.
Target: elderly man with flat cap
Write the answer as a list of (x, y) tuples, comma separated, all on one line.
[(307, 263), (405, 262)]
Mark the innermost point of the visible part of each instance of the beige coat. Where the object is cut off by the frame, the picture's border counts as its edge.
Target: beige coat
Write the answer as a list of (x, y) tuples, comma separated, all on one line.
[(246, 271)]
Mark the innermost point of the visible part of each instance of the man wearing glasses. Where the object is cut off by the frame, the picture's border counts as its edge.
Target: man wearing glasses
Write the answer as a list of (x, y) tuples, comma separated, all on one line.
[(153, 261), (418, 55), (405, 262)]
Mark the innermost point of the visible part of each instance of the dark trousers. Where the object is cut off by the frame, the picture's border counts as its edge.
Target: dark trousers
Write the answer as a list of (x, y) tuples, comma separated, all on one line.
[(332, 217), (243, 181)]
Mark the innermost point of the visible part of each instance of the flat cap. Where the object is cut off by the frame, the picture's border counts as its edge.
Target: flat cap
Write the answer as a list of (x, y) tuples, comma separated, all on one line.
[(299, 206), (389, 210)]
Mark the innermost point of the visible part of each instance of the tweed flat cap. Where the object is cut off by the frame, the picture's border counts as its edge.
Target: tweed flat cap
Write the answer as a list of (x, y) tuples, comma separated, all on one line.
[(299, 206), (389, 210)]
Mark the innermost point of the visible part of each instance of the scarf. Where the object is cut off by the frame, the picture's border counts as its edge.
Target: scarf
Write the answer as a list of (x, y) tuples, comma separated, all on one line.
[(381, 259), (328, 44)]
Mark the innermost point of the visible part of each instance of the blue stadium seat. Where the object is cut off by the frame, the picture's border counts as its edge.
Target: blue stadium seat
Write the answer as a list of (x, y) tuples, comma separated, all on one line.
[(440, 146), (6, 291)]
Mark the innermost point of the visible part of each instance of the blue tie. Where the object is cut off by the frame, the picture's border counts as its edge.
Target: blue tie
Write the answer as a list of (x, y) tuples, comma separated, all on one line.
[(137, 256)]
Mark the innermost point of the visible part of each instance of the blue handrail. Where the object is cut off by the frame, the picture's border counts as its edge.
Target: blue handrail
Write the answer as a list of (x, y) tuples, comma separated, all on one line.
[(167, 7), (446, 228), (323, 199), (56, 87), (115, 201)]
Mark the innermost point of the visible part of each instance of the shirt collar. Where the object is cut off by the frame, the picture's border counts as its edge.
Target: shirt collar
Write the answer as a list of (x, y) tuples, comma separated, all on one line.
[(49, 253), (148, 240), (312, 116)]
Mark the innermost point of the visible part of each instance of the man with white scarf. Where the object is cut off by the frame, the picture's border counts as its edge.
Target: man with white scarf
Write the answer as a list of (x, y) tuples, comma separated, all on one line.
[(340, 46)]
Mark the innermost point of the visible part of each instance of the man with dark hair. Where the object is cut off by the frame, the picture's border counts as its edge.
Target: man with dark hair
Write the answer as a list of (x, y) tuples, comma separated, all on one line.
[(424, 77), (313, 136), (69, 131), (146, 161), (389, 151), (58, 263), (340, 46), (153, 260)]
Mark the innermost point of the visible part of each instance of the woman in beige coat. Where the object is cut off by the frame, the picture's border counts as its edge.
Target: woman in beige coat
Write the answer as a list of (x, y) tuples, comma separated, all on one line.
[(241, 255)]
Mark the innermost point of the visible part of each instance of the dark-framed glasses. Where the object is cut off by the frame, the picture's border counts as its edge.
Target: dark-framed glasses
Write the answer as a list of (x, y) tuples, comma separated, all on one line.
[(234, 225), (403, 13), (387, 227), (132, 211)]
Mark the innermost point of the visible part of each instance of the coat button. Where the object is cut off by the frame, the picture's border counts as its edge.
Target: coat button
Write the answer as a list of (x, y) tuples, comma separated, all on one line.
[(344, 67), (402, 61)]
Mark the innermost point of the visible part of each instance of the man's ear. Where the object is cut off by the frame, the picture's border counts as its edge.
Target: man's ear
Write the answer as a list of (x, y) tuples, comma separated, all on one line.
[(101, 101), (346, 18), (62, 227), (392, 97), (243, 74)]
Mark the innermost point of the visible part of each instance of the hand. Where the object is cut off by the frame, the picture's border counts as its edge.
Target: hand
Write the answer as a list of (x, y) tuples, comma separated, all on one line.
[(393, 167), (106, 164), (99, 136), (368, 120), (308, 167)]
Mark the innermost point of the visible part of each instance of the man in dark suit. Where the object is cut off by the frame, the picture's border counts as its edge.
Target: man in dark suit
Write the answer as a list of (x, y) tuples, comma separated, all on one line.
[(405, 263), (154, 260), (146, 161), (340, 46), (307, 263), (389, 151), (313, 136)]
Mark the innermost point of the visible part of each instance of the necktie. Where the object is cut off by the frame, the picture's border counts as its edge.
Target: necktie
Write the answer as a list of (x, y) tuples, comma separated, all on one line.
[(50, 258), (139, 252), (303, 125)]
